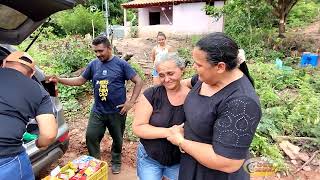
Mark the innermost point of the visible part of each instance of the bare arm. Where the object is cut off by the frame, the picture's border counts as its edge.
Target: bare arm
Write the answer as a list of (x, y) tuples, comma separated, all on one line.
[(206, 156), (186, 83), (171, 49), (137, 87), (48, 130), (153, 54), (76, 81), (136, 91), (141, 126)]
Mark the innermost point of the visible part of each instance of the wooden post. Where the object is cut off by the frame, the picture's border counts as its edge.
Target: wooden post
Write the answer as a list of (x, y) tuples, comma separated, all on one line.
[(124, 16)]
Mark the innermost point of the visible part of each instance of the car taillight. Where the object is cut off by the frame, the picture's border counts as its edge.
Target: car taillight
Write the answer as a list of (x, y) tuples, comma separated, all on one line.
[(64, 137)]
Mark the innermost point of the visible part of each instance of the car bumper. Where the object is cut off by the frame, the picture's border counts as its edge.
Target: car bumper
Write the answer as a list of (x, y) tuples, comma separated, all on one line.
[(48, 157)]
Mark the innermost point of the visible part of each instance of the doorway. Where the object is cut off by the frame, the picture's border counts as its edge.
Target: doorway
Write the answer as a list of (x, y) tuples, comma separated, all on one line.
[(154, 18)]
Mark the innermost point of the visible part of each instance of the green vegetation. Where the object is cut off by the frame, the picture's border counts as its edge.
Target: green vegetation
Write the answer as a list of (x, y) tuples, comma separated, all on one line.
[(81, 20), (303, 13), (129, 132), (115, 11), (138, 69)]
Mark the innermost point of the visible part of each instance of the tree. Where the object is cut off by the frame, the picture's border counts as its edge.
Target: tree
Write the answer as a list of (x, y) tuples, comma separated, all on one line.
[(115, 10), (281, 9)]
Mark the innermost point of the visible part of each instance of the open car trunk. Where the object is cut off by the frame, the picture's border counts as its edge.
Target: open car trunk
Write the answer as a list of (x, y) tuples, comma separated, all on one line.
[(19, 18), (32, 127)]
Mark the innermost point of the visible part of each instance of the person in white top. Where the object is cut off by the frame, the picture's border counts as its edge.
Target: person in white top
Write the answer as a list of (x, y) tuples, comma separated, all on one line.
[(160, 50)]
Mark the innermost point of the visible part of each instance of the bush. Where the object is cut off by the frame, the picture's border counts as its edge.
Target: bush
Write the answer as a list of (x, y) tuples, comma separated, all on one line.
[(40, 56), (79, 21), (290, 107), (138, 69), (303, 12), (289, 99), (266, 74), (261, 146), (134, 31), (185, 53), (70, 107), (67, 55), (129, 132), (132, 16)]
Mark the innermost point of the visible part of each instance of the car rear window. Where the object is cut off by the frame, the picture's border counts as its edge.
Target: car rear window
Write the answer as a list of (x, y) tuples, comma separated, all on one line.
[(10, 18)]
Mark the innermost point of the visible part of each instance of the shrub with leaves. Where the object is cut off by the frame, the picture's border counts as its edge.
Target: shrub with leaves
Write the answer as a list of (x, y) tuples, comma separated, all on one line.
[(129, 132), (261, 146), (67, 55), (80, 20), (304, 12), (134, 31), (185, 53), (138, 69)]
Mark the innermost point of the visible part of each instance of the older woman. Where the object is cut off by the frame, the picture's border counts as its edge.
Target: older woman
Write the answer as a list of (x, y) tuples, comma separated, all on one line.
[(158, 109), (222, 113)]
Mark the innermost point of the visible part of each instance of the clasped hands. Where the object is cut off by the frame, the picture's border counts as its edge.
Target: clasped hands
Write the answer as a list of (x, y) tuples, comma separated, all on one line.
[(176, 134)]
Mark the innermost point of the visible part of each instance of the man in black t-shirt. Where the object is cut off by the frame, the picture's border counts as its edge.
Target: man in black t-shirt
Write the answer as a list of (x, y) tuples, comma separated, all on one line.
[(22, 99)]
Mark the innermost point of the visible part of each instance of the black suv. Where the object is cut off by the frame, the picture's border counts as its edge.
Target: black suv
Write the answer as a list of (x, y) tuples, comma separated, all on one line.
[(18, 19)]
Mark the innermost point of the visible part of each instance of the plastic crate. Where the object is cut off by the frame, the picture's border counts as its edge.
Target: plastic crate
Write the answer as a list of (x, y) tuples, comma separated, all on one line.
[(101, 174), (309, 58)]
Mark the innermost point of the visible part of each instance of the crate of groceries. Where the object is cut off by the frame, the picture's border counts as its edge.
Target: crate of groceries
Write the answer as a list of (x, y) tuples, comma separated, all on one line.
[(82, 168)]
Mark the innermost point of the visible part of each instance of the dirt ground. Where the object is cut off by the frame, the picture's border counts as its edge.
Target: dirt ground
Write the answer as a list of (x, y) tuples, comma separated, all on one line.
[(312, 31), (141, 48)]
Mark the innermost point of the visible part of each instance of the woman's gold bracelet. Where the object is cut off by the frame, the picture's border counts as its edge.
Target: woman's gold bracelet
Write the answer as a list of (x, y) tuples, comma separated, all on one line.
[(179, 144)]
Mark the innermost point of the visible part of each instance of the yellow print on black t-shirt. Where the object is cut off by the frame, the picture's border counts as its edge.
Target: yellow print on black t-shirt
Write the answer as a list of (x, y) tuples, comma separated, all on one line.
[(103, 89)]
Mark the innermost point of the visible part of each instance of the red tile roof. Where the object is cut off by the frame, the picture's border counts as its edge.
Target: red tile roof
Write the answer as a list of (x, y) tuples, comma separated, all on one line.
[(148, 3)]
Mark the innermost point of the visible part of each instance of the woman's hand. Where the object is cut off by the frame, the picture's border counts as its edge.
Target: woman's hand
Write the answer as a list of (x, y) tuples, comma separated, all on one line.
[(177, 134)]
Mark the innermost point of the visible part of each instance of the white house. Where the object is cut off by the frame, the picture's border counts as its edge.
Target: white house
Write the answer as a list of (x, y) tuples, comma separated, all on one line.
[(174, 17)]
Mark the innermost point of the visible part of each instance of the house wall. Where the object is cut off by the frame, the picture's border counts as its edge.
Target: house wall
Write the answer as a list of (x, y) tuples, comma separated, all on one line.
[(190, 18), (220, 22), (166, 12), (187, 19), (143, 15)]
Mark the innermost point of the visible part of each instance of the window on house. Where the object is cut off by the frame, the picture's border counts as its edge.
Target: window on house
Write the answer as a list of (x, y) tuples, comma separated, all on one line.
[(211, 3), (154, 18)]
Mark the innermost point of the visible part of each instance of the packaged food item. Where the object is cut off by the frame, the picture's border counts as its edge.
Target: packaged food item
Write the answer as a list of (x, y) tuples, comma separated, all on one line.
[(82, 159), (51, 178), (89, 171), (79, 175), (63, 176), (79, 169), (80, 178)]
